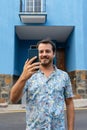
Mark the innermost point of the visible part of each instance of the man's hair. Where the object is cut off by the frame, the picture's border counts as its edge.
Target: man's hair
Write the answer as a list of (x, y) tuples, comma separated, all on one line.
[(47, 41)]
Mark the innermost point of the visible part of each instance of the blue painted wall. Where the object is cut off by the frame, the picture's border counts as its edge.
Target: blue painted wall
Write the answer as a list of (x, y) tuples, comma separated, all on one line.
[(85, 33), (59, 13), (70, 53), (8, 18)]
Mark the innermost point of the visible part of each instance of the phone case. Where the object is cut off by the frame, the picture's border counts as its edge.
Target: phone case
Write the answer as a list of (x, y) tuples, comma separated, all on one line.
[(32, 53)]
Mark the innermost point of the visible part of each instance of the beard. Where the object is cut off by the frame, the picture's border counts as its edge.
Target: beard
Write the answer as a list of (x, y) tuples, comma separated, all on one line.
[(46, 62)]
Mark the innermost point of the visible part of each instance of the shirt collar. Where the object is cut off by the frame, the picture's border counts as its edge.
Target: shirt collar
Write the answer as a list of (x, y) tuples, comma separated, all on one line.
[(55, 69)]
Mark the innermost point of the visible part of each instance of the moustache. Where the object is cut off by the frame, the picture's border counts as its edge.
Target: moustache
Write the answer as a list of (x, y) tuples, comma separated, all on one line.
[(44, 57)]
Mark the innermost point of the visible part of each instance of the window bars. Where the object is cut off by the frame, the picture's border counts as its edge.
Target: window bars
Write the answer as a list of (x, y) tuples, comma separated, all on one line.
[(32, 6)]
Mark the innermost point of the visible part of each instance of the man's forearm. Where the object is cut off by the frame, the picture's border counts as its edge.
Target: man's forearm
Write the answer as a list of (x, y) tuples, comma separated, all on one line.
[(70, 115), (17, 90)]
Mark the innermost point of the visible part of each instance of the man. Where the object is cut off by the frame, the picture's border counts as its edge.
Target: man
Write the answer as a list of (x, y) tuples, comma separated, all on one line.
[(46, 89)]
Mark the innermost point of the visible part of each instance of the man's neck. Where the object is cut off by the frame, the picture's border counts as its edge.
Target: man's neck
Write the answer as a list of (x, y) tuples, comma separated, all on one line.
[(47, 70)]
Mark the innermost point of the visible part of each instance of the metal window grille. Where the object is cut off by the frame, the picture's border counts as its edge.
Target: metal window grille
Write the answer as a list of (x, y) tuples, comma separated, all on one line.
[(35, 5)]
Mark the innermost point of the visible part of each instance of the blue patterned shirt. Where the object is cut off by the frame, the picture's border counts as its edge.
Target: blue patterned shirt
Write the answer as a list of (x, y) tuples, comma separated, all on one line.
[(45, 100)]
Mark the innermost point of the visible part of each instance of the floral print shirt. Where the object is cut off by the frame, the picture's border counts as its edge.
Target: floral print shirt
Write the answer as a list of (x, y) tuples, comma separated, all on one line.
[(45, 100)]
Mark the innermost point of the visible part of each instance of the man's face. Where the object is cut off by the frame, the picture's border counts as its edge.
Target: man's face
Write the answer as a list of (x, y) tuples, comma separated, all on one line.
[(46, 54)]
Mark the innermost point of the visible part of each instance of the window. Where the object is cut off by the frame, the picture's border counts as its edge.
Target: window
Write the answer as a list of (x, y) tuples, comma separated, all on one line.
[(34, 5), (29, 5), (37, 6)]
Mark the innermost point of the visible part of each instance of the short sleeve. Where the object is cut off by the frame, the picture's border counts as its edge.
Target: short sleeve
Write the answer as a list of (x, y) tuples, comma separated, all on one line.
[(68, 87)]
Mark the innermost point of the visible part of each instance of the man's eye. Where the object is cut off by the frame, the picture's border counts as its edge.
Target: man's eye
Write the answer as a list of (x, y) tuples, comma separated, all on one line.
[(47, 51), (40, 52)]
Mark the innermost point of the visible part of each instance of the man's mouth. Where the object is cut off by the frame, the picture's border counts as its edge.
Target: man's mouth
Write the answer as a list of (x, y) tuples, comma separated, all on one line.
[(45, 58)]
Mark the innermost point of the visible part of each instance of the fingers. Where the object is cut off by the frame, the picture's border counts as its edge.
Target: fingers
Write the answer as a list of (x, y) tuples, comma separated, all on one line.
[(32, 59), (32, 66)]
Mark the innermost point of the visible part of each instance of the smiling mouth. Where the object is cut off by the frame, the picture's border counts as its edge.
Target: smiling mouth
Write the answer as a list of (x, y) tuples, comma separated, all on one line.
[(45, 59)]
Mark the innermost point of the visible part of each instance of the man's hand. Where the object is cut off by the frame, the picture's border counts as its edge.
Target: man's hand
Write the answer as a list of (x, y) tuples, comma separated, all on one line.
[(30, 68)]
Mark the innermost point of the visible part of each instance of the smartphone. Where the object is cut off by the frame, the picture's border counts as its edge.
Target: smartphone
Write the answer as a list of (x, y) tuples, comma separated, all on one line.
[(32, 53)]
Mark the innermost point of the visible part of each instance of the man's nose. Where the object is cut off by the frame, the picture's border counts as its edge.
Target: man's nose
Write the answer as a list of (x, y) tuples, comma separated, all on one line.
[(44, 53)]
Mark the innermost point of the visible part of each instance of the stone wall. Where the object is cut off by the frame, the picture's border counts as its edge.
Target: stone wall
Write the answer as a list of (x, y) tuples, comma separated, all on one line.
[(6, 82), (79, 82)]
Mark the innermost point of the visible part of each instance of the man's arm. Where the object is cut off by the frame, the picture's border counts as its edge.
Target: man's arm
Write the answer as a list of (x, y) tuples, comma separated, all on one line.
[(70, 113), (17, 89)]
